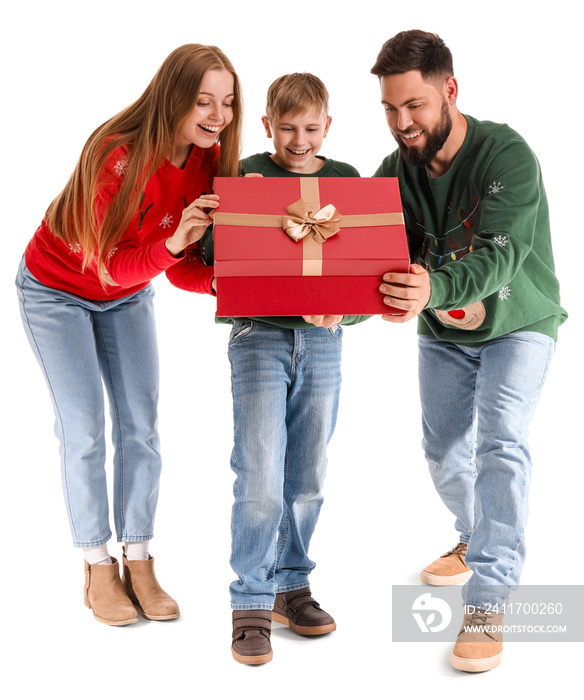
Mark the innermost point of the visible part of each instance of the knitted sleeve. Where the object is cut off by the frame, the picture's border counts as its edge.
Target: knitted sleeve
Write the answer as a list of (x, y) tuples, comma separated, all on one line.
[(141, 254), (512, 201)]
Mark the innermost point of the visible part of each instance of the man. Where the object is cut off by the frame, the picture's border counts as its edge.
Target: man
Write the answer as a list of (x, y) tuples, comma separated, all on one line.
[(487, 299)]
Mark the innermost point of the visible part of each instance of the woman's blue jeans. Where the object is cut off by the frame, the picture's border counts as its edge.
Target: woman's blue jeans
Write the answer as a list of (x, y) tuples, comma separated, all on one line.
[(477, 404), (285, 385), (82, 345)]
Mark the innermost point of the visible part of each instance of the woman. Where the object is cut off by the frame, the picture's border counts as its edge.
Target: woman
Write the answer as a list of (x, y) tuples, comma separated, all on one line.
[(136, 200)]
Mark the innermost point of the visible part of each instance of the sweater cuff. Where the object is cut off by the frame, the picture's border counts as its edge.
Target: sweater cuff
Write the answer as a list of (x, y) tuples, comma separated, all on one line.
[(161, 257), (208, 274), (439, 293)]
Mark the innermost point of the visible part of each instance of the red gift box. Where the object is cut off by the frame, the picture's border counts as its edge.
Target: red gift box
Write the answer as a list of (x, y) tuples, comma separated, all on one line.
[(304, 246)]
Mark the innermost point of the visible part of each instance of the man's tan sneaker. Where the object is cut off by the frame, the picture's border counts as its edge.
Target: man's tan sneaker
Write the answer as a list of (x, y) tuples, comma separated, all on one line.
[(449, 570), (479, 646)]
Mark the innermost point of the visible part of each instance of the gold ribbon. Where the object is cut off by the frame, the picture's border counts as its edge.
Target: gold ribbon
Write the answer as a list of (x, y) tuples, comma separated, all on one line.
[(318, 224), (301, 222), (311, 250)]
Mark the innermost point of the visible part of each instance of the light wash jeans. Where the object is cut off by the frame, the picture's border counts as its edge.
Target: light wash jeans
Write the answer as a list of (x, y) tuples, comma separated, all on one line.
[(79, 343), (285, 387), (477, 403)]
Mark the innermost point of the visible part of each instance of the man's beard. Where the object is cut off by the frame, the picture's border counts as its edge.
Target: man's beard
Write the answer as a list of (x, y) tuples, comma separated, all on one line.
[(435, 140)]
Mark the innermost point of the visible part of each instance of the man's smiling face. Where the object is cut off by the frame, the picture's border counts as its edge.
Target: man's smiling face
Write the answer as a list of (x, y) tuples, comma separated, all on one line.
[(418, 115)]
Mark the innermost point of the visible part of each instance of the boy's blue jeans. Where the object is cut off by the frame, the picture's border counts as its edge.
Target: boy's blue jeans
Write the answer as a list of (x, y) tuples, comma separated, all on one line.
[(285, 385), (477, 403), (79, 343)]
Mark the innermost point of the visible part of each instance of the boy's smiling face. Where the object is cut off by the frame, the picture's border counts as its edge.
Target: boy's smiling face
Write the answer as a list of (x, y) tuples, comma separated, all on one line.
[(297, 139)]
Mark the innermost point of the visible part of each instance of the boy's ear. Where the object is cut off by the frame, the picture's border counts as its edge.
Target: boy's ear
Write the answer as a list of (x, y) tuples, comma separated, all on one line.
[(266, 124), (327, 126)]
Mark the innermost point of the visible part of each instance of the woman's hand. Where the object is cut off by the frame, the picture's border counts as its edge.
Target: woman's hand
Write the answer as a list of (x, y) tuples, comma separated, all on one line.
[(193, 224)]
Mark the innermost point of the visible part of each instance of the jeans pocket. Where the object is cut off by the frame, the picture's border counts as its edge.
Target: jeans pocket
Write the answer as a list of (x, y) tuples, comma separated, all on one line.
[(336, 332), (241, 329)]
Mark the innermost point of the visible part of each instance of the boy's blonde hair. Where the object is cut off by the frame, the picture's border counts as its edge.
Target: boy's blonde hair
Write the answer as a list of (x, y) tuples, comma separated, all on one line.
[(295, 93)]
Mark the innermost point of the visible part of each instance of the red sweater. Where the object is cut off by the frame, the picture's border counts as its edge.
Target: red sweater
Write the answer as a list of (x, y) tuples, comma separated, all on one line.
[(140, 254)]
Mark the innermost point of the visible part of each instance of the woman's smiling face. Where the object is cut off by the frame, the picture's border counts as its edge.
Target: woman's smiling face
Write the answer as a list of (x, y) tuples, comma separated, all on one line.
[(212, 111)]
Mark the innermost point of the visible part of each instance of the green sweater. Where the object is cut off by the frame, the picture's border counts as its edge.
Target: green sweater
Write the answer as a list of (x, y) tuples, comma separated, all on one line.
[(482, 229), (262, 163)]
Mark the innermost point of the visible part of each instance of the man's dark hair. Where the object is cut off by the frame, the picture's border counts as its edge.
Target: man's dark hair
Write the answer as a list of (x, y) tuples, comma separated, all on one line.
[(415, 50)]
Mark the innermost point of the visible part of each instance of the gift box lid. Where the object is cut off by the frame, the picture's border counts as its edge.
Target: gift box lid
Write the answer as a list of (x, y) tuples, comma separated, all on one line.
[(250, 240)]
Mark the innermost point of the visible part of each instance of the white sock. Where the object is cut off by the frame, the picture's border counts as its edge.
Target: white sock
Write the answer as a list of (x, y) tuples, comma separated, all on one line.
[(137, 551), (97, 555)]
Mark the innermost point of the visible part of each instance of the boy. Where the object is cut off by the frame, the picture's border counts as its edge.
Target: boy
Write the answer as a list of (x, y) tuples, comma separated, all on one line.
[(285, 381)]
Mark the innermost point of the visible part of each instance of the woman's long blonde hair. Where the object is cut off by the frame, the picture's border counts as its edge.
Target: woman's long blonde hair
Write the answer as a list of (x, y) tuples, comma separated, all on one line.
[(148, 129)]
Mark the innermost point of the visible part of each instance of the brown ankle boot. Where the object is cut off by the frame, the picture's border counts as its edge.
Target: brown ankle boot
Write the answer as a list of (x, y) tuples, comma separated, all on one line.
[(144, 590), (105, 595)]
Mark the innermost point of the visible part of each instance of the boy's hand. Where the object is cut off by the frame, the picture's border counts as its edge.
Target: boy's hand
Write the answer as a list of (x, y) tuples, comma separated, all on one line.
[(253, 175), (407, 291), (193, 223), (323, 321)]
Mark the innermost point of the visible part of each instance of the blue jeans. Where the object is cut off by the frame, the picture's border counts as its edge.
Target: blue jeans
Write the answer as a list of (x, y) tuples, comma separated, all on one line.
[(285, 387), (477, 403), (79, 343)]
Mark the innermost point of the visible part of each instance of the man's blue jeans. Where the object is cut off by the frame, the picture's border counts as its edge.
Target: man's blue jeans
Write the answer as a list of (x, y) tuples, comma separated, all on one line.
[(79, 343), (477, 403), (285, 387)]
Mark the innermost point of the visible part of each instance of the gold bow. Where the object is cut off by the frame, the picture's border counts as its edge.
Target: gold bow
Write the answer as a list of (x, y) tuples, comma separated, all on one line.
[(322, 225)]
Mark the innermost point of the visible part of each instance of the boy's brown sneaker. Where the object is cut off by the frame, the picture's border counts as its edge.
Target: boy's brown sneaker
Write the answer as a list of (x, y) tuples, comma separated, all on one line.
[(479, 646), (251, 636), (449, 569), (302, 613)]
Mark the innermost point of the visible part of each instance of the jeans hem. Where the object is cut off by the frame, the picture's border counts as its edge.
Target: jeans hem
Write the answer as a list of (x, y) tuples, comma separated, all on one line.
[(134, 538), (252, 606), (93, 543), (294, 587)]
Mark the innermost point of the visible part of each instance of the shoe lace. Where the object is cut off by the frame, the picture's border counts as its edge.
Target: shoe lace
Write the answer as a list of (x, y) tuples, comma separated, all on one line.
[(459, 549), (479, 619)]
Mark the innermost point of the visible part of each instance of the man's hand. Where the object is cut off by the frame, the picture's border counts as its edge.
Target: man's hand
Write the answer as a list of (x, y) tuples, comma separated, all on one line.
[(409, 292), (324, 321)]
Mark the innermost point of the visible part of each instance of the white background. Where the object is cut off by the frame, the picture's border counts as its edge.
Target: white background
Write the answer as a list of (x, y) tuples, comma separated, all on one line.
[(67, 67)]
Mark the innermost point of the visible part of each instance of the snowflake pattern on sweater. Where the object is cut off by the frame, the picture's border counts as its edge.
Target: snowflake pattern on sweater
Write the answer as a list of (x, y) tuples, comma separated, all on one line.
[(166, 221)]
